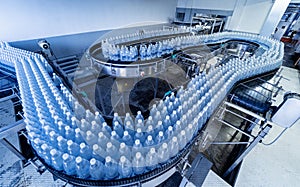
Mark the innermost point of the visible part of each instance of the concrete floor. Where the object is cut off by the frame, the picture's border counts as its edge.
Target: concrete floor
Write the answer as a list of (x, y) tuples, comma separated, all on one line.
[(277, 164)]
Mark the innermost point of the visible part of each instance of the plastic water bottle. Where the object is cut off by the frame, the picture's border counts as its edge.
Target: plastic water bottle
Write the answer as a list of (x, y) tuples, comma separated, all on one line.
[(169, 132), (127, 139), (111, 168), (69, 133), (149, 141), (106, 129), (115, 138), (117, 118), (160, 137), (125, 167), (153, 110), (112, 151), (102, 139), (82, 167), (137, 146), (61, 128), (174, 117), (56, 158), (85, 151), (150, 131), (69, 164), (139, 135), (128, 118), (78, 136), (149, 122), (45, 153), (138, 163), (89, 116), (151, 159), (139, 124), (99, 118), (73, 148), (53, 138), (129, 127), (163, 153), (91, 138), (167, 122), (173, 146), (85, 125), (177, 127), (98, 153), (118, 127), (182, 139), (95, 127), (159, 127), (62, 144), (164, 112), (124, 150), (97, 170), (139, 116)]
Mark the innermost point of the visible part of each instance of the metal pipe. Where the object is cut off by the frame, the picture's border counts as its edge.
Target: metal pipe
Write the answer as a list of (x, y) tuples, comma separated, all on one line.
[(235, 128)]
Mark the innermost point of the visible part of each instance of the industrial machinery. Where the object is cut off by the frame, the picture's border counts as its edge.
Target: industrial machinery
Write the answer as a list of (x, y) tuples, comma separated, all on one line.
[(136, 106)]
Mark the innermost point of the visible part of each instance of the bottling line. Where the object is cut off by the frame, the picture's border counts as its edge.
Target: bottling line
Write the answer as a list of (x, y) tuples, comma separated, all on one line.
[(135, 108)]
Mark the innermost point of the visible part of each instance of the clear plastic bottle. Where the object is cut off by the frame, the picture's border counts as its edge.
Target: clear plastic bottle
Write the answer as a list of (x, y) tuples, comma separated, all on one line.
[(149, 122), (169, 132), (82, 167), (174, 117), (91, 138), (98, 153), (115, 138), (111, 168), (117, 118), (160, 137), (125, 167), (129, 127), (95, 127), (163, 153), (78, 136), (124, 150), (97, 171), (139, 124), (69, 133), (112, 151), (167, 122), (127, 138), (150, 131), (106, 129), (149, 141), (85, 151), (173, 146), (62, 144), (99, 118), (56, 158), (118, 128), (159, 127), (85, 125), (128, 118), (151, 159), (73, 148), (138, 163), (89, 116), (53, 138), (137, 146), (45, 153), (182, 140), (139, 116), (139, 135), (69, 164), (153, 110)]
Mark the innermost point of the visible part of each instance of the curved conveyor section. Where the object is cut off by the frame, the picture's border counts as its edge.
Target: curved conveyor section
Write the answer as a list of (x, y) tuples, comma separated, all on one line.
[(63, 133)]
